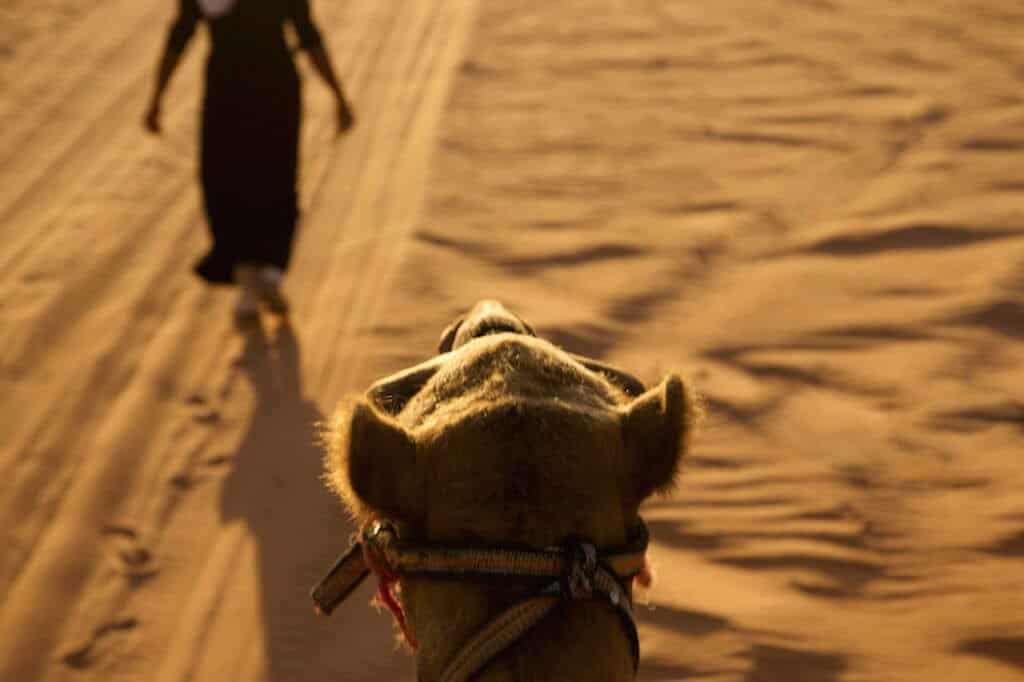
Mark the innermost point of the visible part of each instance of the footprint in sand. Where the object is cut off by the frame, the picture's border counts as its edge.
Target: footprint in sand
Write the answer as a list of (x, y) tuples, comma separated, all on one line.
[(183, 481), (82, 656), (1008, 650), (128, 555), (209, 416), (219, 460)]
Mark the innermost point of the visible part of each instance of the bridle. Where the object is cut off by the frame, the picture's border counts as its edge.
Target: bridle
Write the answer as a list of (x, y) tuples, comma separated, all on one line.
[(578, 571)]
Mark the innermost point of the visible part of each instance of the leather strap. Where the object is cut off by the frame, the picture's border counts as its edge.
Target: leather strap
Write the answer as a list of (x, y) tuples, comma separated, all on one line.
[(347, 573)]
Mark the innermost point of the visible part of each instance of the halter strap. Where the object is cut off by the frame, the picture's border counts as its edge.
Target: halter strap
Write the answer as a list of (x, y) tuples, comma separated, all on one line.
[(579, 571)]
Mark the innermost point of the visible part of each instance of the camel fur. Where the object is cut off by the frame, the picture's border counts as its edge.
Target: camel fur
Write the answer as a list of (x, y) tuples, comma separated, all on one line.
[(505, 439)]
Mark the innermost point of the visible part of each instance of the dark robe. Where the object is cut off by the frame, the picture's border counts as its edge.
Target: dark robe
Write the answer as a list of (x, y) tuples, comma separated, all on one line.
[(250, 131)]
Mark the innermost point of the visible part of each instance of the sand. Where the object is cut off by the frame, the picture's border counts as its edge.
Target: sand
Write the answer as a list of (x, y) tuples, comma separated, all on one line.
[(813, 208)]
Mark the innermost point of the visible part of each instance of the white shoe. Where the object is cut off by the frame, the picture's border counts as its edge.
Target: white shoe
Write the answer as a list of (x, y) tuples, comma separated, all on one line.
[(263, 284), (270, 294), (247, 309)]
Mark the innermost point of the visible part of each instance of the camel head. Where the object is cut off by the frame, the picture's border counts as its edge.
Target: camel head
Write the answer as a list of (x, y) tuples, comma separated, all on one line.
[(503, 440)]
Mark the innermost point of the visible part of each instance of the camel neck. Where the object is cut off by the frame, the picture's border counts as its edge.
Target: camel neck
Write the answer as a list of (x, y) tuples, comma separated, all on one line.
[(576, 641)]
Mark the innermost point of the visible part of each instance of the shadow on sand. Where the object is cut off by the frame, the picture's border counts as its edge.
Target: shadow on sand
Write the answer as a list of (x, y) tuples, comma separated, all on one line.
[(298, 527)]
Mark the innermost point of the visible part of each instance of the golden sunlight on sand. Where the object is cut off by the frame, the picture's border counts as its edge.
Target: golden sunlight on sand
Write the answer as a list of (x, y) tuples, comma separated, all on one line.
[(814, 207)]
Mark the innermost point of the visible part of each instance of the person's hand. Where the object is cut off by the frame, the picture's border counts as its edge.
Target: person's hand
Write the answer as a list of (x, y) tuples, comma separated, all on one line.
[(346, 119), (152, 120)]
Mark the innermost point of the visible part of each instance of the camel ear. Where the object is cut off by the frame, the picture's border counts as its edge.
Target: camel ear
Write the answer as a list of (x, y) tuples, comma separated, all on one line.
[(391, 394), (628, 383), (448, 336), (526, 325), (372, 463), (656, 430)]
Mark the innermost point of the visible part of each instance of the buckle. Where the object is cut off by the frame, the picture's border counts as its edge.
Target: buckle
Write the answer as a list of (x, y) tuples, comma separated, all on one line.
[(374, 531), (579, 579), (375, 539)]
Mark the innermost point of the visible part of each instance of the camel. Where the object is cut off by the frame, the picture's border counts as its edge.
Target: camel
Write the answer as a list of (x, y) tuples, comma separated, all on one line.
[(505, 448)]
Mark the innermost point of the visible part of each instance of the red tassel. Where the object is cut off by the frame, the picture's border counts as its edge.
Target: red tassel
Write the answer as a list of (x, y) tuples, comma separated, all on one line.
[(386, 582), (646, 576)]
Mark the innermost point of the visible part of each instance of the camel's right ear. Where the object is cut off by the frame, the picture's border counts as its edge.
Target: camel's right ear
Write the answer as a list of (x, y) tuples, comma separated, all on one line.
[(371, 463), (448, 336), (657, 427)]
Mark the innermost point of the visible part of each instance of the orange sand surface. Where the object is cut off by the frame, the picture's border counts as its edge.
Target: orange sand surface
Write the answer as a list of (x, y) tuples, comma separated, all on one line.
[(815, 208)]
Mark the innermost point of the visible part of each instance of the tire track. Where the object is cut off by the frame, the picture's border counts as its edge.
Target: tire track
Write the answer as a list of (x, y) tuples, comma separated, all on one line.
[(372, 198), (454, 20), (33, 127)]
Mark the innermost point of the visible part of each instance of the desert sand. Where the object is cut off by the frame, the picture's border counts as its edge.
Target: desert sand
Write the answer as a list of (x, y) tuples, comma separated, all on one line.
[(814, 208)]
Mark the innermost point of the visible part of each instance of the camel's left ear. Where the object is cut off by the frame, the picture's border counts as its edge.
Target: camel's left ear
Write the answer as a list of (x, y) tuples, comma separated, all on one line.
[(656, 429), (372, 464)]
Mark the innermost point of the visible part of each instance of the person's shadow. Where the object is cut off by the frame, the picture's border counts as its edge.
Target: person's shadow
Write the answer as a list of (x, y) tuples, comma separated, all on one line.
[(299, 528)]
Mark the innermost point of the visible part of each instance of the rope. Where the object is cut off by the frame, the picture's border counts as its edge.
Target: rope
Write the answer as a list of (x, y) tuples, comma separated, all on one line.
[(499, 634), (529, 563)]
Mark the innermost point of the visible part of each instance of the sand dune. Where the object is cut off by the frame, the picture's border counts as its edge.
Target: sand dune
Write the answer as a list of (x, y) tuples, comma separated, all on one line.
[(814, 208)]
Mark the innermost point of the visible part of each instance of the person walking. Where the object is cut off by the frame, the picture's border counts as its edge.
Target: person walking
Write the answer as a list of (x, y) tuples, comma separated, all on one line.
[(249, 139)]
